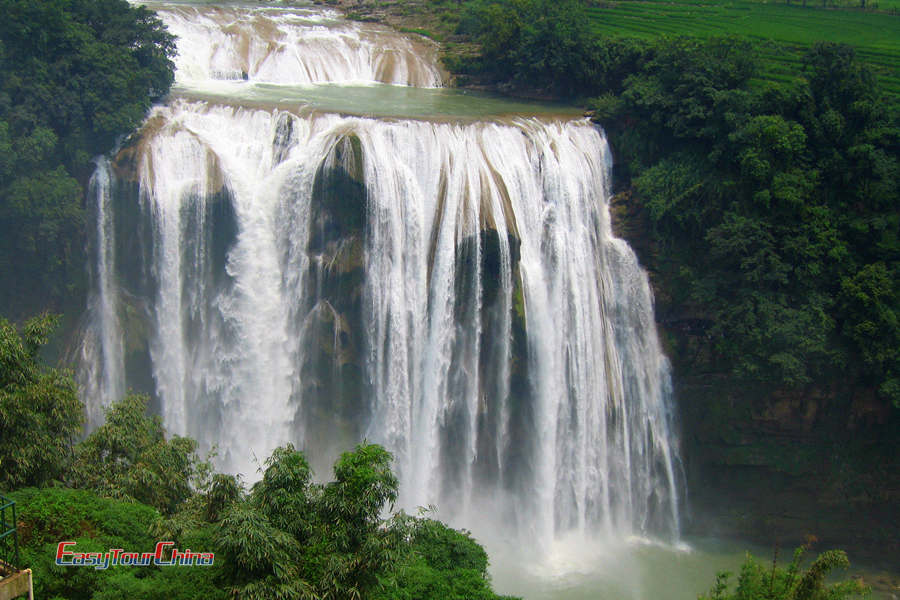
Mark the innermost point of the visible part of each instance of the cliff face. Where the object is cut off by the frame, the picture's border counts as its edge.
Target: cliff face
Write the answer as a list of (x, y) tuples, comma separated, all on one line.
[(768, 464), (776, 466)]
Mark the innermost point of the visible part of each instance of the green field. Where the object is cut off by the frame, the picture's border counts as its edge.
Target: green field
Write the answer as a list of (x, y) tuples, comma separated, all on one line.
[(788, 29)]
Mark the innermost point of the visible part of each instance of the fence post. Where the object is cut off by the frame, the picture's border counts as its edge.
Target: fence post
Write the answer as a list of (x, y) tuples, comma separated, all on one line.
[(8, 529)]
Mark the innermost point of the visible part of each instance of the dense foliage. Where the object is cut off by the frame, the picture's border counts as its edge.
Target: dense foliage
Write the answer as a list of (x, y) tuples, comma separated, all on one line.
[(40, 413), (441, 563), (129, 457), (288, 538), (292, 538), (774, 210), (74, 75), (96, 524), (533, 43), (758, 581)]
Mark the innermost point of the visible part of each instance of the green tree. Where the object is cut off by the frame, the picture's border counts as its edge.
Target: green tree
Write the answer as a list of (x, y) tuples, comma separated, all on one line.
[(758, 581), (440, 563), (129, 457), (74, 76), (40, 413), (293, 538), (359, 548), (536, 44), (224, 490), (869, 302), (261, 561)]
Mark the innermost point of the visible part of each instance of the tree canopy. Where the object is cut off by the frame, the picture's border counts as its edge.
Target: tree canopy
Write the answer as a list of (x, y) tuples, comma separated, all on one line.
[(129, 457), (74, 76), (40, 413), (292, 538), (535, 43), (758, 581), (774, 209)]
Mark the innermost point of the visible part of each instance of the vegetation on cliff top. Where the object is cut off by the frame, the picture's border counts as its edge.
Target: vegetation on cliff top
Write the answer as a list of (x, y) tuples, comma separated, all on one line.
[(781, 32), (74, 75), (773, 211)]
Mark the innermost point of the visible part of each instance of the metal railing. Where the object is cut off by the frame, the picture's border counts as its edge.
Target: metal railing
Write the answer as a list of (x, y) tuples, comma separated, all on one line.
[(8, 536)]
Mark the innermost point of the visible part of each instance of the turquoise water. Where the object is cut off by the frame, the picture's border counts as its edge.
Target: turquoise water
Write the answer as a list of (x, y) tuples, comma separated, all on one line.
[(640, 569), (375, 100)]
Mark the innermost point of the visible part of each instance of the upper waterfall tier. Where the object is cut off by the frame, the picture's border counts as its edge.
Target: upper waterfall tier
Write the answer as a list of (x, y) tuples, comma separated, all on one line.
[(295, 46)]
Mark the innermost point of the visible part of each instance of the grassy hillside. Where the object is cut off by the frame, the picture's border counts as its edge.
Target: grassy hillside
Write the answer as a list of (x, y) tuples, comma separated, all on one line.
[(788, 29)]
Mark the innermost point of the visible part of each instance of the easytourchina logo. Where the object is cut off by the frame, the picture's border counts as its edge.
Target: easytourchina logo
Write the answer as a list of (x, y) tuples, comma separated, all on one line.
[(162, 556)]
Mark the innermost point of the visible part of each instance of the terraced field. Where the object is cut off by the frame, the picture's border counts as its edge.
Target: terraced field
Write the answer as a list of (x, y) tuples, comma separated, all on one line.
[(786, 29)]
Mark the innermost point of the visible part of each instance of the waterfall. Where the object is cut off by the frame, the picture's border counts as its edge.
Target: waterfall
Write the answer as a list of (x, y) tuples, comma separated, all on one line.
[(102, 376), (452, 290), (292, 46)]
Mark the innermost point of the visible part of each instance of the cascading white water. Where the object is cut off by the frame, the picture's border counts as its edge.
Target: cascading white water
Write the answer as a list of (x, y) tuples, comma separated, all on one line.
[(102, 376), (451, 290), (292, 46)]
